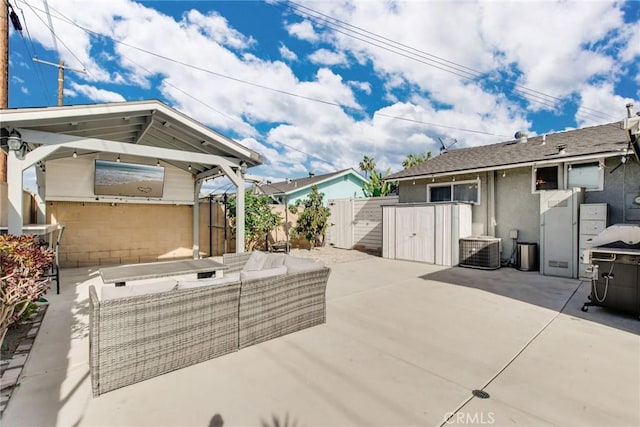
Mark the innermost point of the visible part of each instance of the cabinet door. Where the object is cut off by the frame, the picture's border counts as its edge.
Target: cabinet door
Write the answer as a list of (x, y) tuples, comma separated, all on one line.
[(591, 227), (597, 211)]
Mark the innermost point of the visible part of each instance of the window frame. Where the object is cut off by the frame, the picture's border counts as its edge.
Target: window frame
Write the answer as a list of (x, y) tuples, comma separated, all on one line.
[(451, 184), (534, 170), (600, 163)]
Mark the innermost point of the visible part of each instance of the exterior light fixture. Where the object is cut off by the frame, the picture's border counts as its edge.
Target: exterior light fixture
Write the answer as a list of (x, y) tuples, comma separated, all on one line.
[(189, 168), (453, 179), (433, 179), (118, 158), (243, 168), (504, 173), (16, 144), (75, 154), (158, 163)]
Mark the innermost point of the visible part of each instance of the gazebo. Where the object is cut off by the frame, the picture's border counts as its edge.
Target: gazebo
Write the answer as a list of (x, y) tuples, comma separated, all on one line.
[(148, 132)]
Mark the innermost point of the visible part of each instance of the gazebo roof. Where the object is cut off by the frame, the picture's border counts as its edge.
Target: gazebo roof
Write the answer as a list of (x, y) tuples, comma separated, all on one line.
[(144, 123)]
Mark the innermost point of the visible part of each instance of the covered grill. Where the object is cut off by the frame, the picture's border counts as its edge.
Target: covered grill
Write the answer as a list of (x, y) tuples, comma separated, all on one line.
[(615, 262)]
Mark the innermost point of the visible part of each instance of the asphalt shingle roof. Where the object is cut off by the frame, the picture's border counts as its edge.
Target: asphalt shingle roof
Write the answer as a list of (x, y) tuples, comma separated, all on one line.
[(296, 184), (603, 139)]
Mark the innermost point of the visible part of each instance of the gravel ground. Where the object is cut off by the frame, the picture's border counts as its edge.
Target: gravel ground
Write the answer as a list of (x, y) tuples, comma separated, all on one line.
[(330, 255)]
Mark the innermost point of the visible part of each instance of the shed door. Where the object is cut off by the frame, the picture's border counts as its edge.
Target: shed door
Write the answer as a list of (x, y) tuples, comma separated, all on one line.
[(405, 236), (424, 241)]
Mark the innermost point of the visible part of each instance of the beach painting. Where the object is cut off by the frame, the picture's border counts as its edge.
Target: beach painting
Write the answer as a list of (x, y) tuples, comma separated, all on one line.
[(128, 179)]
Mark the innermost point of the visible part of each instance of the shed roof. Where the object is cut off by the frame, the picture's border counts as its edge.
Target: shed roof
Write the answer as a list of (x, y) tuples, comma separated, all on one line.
[(148, 123), (598, 141)]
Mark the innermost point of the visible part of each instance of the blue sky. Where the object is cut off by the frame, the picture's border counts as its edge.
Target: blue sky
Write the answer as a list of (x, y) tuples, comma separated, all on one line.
[(315, 86)]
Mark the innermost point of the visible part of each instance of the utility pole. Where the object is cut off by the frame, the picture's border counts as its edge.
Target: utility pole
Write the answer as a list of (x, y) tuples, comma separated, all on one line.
[(4, 76), (61, 68)]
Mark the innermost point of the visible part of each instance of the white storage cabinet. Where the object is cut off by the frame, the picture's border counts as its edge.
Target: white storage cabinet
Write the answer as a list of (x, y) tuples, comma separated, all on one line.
[(593, 220)]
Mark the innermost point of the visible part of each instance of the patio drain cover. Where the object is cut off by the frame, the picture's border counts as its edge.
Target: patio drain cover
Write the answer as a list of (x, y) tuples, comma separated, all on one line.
[(480, 394)]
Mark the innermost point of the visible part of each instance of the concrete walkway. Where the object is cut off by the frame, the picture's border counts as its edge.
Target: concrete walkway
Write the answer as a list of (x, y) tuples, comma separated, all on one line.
[(404, 344)]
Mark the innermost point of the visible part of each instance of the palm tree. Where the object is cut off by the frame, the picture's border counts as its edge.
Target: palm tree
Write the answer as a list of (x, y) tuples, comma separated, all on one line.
[(416, 159), (367, 165)]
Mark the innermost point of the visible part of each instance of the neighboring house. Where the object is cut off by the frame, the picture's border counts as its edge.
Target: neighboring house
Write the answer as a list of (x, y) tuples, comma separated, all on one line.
[(504, 181), (336, 185)]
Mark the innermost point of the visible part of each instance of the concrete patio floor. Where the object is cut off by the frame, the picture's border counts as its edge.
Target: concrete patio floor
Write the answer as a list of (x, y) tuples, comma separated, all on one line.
[(404, 344)]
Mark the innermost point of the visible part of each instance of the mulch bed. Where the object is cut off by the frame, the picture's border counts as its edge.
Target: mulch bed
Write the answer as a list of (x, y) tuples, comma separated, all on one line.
[(12, 340)]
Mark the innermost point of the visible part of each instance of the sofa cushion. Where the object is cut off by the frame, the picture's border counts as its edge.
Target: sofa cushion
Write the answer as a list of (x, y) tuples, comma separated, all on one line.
[(115, 292), (273, 261), (210, 281), (255, 262), (262, 274), (301, 265)]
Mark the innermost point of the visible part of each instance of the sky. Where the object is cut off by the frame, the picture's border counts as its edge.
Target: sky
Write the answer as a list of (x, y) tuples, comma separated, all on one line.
[(314, 86)]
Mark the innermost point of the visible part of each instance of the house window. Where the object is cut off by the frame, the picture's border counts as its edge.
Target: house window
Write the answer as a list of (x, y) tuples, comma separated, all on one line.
[(546, 178), (588, 175), (464, 191)]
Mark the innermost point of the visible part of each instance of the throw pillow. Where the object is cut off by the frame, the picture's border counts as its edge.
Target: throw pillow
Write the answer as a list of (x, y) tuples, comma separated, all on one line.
[(273, 261), (255, 262)]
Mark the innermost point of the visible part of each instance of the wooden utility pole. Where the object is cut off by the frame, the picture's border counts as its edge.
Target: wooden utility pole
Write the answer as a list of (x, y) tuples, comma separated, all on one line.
[(61, 84), (4, 76), (61, 69)]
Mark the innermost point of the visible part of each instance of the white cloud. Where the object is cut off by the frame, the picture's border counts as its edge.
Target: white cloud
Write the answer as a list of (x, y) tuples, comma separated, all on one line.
[(287, 54), (361, 86), (303, 31), (600, 98), (327, 57), (217, 27), (96, 94)]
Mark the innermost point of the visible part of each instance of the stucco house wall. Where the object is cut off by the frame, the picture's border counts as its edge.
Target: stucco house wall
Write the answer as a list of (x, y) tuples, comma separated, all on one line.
[(621, 187), (516, 208), (341, 187)]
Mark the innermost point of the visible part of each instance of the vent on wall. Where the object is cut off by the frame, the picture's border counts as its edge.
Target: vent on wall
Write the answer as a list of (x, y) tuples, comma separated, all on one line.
[(480, 252)]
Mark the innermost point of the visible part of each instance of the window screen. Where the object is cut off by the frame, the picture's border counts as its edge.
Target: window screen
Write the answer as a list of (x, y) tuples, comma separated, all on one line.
[(585, 175), (467, 192)]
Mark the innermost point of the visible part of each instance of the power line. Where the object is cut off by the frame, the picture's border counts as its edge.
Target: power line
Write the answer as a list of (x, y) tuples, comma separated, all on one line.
[(55, 36), (37, 69), (89, 31), (428, 59), (442, 126)]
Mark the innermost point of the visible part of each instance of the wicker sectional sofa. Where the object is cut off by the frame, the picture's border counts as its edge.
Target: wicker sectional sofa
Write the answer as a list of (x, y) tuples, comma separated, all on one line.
[(157, 328)]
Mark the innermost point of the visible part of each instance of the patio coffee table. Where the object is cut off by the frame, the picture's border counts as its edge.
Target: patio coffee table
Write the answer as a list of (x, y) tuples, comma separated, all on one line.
[(122, 273)]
